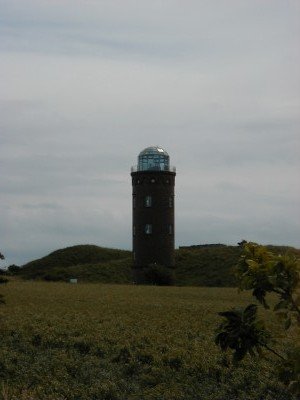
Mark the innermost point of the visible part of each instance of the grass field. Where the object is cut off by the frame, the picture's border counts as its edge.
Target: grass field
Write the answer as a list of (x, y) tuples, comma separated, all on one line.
[(111, 342)]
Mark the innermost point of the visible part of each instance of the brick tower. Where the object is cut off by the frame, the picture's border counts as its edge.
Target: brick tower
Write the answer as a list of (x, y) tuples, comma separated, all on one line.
[(153, 228)]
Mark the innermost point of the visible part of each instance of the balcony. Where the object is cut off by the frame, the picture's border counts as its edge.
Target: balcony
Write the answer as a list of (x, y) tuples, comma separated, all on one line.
[(137, 168)]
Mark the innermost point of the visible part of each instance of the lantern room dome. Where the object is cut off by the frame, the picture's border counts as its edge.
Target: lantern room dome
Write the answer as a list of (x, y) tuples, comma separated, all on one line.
[(153, 158), (152, 150)]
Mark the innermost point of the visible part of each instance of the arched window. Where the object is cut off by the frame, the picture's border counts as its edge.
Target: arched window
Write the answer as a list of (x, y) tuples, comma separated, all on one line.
[(148, 201), (148, 229)]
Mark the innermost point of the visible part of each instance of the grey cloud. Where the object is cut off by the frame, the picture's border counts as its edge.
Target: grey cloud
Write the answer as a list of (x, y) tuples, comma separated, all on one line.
[(39, 206), (87, 85), (160, 29)]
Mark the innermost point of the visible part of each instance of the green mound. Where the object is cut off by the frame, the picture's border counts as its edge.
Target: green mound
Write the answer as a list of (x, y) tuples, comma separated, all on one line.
[(114, 271), (212, 264), (209, 265), (75, 261), (202, 265)]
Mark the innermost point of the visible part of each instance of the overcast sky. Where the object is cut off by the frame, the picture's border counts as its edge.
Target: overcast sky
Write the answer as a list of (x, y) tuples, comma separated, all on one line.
[(85, 85)]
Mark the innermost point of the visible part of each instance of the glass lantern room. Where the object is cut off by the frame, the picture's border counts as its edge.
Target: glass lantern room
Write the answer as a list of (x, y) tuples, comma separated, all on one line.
[(153, 159)]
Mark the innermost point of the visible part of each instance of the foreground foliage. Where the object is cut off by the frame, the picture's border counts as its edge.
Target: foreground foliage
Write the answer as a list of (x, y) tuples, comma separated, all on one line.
[(266, 273), (242, 332), (263, 272), (92, 341)]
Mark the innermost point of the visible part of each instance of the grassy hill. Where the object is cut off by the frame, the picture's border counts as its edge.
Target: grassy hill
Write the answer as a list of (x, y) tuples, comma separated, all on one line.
[(203, 265), (206, 265), (212, 264), (87, 262)]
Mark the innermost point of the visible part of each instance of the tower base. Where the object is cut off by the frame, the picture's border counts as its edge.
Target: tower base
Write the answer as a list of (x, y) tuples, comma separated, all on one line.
[(153, 274)]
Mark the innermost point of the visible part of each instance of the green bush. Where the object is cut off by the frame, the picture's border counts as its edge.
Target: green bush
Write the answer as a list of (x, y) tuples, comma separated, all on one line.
[(157, 274), (264, 273)]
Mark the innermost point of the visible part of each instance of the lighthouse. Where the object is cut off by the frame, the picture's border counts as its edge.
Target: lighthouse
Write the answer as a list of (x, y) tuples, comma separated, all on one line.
[(153, 222)]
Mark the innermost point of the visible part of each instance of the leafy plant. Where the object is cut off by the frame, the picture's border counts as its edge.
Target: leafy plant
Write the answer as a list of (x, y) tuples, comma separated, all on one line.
[(264, 272), (242, 332)]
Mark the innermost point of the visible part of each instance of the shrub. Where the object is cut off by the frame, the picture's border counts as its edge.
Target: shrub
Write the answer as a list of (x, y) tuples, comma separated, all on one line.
[(263, 272), (13, 269), (156, 274)]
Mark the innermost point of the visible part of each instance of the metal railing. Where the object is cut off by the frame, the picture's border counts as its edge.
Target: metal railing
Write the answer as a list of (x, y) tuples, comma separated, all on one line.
[(170, 168)]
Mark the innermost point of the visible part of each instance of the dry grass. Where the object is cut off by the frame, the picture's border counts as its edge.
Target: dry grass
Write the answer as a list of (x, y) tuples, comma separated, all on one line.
[(93, 341)]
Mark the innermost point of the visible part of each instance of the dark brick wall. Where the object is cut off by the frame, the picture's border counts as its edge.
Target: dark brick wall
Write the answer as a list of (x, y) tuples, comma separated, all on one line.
[(157, 247)]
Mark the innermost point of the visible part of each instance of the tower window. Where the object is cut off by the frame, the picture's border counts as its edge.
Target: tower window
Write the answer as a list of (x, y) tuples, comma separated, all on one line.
[(170, 201), (152, 180), (148, 201), (133, 230), (148, 229), (170, 229), (134, 201)]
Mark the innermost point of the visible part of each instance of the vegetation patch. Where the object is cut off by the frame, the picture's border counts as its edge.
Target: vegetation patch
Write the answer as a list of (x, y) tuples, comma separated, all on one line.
[(124, 342), (203, 265)]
